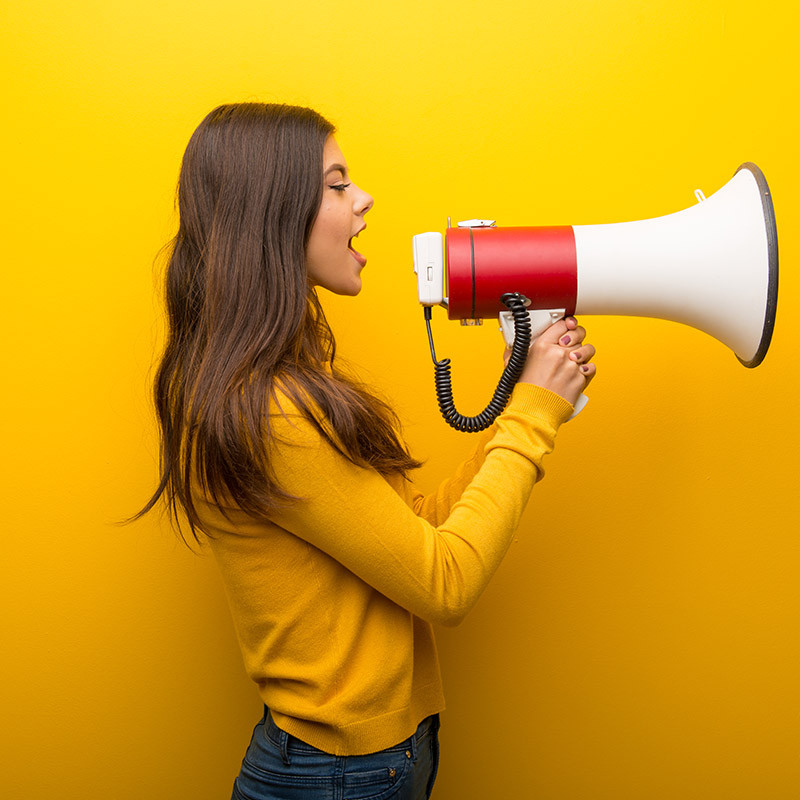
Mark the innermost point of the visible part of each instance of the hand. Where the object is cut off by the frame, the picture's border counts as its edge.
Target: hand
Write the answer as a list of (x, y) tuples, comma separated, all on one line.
[(558, 360)]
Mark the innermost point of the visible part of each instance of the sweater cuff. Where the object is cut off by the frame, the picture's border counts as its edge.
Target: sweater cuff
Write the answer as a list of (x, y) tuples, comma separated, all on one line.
[(535, 401)]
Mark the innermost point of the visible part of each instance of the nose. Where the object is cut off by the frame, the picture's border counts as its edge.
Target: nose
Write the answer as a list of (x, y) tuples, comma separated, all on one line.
[(363, 202)]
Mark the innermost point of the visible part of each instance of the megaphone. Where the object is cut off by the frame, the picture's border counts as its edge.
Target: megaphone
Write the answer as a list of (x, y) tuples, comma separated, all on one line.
[(713, 266)]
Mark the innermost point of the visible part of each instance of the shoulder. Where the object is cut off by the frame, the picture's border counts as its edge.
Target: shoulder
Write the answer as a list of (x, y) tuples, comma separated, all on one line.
[(294, 417)]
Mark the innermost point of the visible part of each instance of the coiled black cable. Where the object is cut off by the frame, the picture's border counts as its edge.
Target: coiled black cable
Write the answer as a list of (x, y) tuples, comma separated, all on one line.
[(515, 303)]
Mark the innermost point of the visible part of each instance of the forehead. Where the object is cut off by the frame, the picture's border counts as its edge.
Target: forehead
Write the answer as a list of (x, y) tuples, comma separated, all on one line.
[(332, 154)]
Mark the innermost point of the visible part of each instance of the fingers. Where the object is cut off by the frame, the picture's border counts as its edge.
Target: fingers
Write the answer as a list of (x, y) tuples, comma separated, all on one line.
[(581, 355), (560, 360), (574, 335), (573, 341), (588, 371), (564, 327)]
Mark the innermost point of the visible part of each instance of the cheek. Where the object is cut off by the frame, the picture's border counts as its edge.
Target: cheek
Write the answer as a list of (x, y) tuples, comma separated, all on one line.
[(317, 240), (333, 214), (332, 228), (327, 256)]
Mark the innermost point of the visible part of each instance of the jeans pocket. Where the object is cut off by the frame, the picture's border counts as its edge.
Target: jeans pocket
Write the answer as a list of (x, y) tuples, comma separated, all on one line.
[(378, 776), (253, 783)]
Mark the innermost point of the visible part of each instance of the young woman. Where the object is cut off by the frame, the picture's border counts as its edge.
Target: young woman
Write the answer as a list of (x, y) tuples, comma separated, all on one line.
[(296, 475)]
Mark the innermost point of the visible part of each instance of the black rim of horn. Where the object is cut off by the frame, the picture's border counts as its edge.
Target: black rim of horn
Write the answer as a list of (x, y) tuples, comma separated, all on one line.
[(772, 246)]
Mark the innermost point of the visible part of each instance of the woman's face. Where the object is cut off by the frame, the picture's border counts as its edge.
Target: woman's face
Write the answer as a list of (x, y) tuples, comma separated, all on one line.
[(331, 261)]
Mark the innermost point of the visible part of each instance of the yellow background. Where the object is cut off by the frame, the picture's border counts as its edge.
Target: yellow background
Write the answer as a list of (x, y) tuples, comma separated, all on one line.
[(641, 639)]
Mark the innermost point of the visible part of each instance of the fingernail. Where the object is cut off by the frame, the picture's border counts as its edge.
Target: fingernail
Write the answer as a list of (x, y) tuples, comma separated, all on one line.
[(566, 340), (585, 368), (573, 356)]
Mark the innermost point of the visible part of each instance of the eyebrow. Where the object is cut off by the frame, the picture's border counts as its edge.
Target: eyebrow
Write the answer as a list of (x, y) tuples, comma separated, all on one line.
[(334, 167)]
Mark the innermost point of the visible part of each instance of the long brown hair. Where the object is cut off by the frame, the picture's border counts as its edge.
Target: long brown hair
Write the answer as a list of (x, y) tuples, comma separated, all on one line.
[(243, 317)]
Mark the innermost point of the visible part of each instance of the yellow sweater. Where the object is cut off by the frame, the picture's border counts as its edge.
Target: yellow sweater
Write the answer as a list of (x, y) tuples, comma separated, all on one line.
[(333, 599)]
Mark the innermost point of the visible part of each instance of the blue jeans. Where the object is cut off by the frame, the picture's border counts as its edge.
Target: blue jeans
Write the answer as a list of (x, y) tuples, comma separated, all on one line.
[(278, 766)]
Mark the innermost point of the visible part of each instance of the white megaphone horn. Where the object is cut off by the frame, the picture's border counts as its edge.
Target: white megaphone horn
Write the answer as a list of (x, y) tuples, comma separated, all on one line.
[(713, 266)]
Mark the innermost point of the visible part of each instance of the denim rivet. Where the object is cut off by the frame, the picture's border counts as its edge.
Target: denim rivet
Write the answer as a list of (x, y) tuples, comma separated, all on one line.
[(392, 772), (408, 754)]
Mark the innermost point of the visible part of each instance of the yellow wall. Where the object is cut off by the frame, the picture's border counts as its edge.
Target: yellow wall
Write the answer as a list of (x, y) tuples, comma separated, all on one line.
[(641, 640)]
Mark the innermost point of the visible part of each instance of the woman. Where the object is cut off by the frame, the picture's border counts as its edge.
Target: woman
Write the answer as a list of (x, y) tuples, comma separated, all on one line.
[(335, 566)]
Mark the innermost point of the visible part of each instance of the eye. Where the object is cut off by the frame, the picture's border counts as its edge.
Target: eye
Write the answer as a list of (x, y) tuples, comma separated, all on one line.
[(339, 187)]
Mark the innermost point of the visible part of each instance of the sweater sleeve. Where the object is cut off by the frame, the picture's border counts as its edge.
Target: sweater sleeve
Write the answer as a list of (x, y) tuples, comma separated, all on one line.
[(435, 507), (435, 571)]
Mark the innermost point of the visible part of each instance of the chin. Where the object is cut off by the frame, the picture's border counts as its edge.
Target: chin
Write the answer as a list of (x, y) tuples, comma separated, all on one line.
[(353, 290), (350, 289)]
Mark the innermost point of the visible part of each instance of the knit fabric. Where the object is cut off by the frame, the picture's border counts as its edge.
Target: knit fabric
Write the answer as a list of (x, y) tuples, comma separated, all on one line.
[(334, 597)]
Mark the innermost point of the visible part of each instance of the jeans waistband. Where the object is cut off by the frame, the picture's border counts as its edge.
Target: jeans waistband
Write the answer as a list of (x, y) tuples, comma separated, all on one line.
[(285, 740)]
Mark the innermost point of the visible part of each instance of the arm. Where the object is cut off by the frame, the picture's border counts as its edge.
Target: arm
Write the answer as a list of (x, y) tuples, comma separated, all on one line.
[(546, 369), (354, 515), (435, 507)]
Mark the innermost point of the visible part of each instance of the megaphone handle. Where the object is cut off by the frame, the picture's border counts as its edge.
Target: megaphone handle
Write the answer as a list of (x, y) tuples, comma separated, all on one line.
[(580, 404), (541, 320)]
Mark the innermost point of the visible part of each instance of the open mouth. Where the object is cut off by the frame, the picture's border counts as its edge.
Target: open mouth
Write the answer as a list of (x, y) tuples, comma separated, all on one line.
[(356, 255)]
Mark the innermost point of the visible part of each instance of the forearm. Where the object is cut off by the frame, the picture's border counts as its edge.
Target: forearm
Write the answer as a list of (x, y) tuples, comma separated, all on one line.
[(436, 506)]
